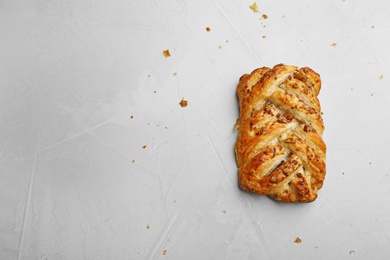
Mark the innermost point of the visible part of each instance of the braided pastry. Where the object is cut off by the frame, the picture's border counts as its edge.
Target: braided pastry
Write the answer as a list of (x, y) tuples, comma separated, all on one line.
[(279, 151)]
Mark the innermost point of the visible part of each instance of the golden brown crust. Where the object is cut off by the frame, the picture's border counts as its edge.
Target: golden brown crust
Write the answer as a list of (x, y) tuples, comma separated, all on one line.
[(279, 150)]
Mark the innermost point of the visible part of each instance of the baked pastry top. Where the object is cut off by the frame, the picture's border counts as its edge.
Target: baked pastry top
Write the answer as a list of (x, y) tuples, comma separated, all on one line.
[(279, 150)]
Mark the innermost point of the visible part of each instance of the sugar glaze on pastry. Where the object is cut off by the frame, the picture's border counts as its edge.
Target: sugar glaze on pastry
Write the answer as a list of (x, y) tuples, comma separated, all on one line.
[(279, 150)]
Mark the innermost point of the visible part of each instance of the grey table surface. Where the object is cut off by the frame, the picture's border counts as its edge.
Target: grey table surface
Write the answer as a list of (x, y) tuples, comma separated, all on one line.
[(99, 161)]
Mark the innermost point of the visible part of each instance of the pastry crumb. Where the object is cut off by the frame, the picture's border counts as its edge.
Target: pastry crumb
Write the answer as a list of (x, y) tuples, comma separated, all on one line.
[(380, 76), (174, 201), (297, 240), (166, 53), (131, 117), (219, 47), (143, 147), (351, 252), (264, 36), (264, 16), (148, 75), (316, 247), (372, 26), (148, 226), (164, 252), (183, 103), (254, 7), (208, 29), (224, 211), (333, 44), (133, 161)]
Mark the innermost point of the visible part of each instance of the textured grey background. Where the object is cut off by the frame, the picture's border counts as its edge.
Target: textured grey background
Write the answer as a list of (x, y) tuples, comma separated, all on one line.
[(72, 73)]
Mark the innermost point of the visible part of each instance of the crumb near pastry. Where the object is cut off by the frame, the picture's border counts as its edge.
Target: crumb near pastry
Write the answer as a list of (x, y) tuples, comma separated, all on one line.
[(297, 240), (254, 7), (183, 103), (166, 53)]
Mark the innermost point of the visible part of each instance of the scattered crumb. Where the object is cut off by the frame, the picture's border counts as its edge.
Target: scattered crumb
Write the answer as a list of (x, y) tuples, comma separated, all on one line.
[(155, 91), (208, 29), (224, 211), (133, 161), (164, 252), (143, 147), (166, 53), (381, 76), (316, 247), (333, 44), (168, 240), (297, 240), (148, 226), (183, 103), (264, 16), (263, 36), (351, 89), (372, 94), (131, 117), (343, 173), (157, 124), (264, 26), (166, 127), (149, 76), (254, 7), (283, 16), (370, 163), (351, 252), (219, 47), (227, 41), (372, 26), (174, 201), (174, 74), (226, 242)]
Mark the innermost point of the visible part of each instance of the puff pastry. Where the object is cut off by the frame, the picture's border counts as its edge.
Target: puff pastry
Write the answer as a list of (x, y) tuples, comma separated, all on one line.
[(279, 150)]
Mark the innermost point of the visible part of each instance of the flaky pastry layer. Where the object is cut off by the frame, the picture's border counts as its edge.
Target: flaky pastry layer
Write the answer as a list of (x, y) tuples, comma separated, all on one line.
[(279, 150)]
